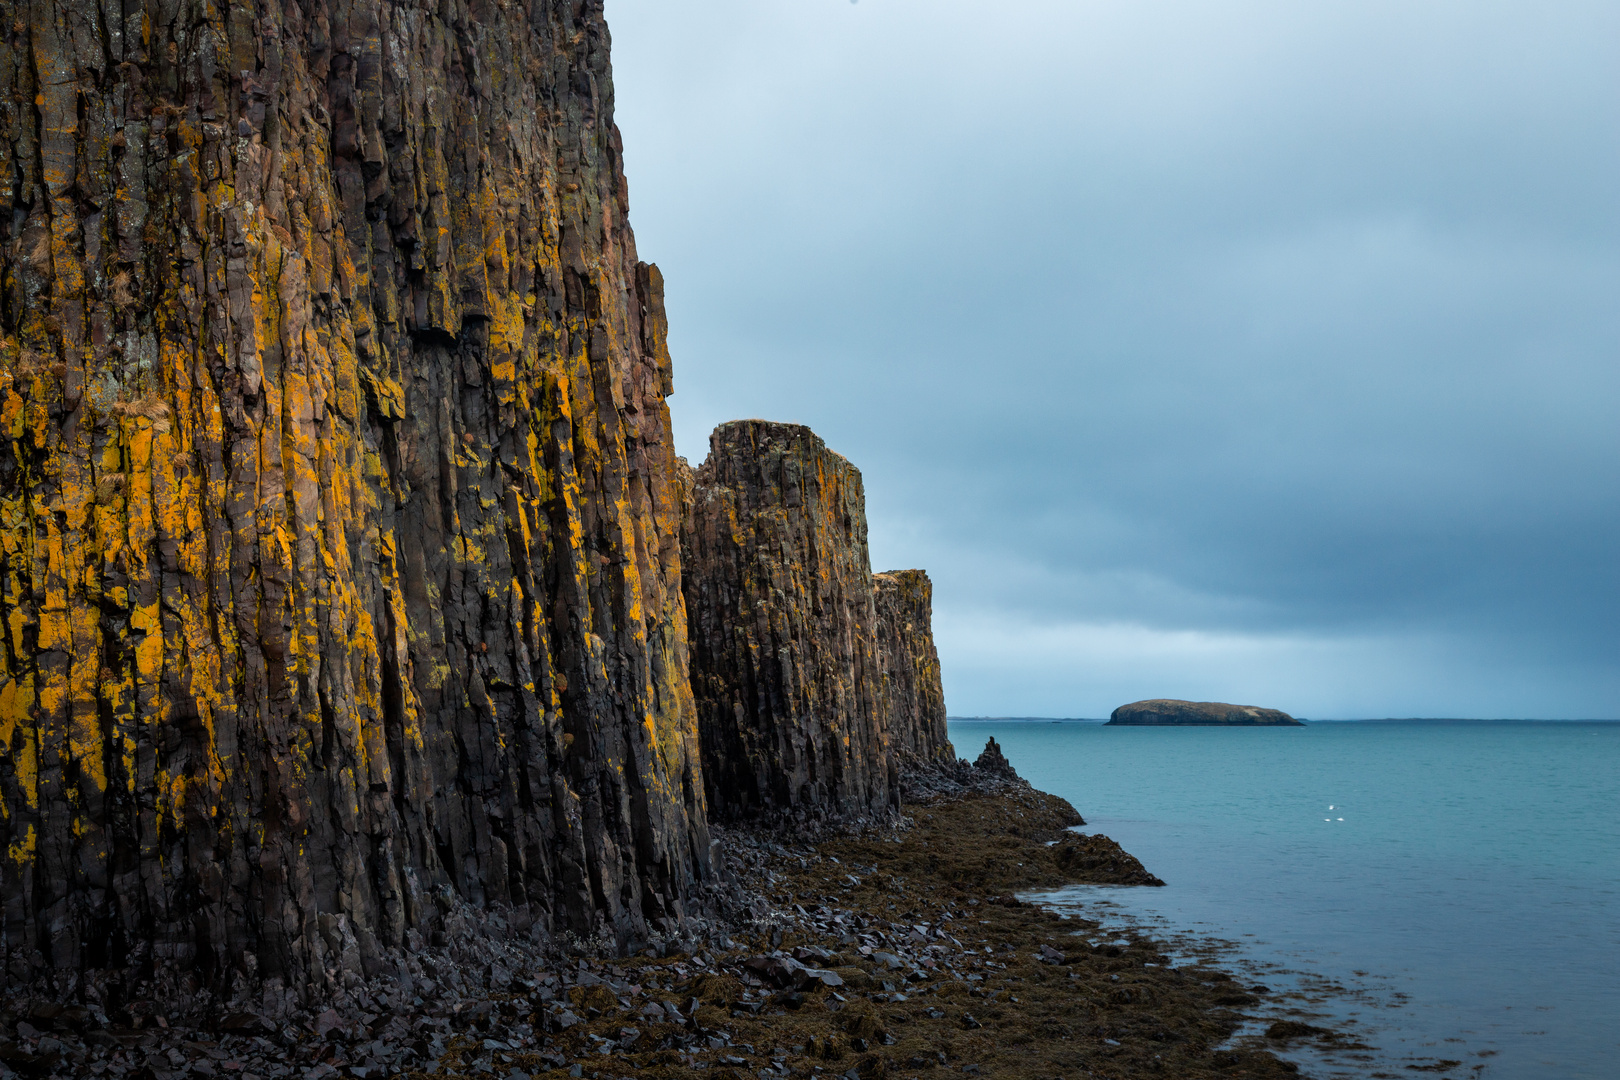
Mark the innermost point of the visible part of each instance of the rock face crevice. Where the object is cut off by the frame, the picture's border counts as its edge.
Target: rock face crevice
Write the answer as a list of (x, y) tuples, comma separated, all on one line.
[(815, 680), (339, 522)]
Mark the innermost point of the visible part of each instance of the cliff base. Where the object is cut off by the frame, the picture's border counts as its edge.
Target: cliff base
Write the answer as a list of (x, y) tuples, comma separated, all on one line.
[(898, 952)]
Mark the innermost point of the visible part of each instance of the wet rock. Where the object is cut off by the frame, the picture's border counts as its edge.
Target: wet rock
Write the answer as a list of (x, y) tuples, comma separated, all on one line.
[(1100, 860), (245, 1023), (780, 971)]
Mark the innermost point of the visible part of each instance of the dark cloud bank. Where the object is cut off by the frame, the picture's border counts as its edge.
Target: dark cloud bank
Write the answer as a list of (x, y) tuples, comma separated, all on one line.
[(1254, 351)]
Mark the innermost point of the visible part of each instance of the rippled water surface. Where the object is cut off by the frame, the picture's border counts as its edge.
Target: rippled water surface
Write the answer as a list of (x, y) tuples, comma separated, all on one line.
[(1446, 892)]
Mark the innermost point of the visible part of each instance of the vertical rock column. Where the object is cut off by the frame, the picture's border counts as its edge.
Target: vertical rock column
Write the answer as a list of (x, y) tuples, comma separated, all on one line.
[(783, 627), (913, 699), (339, 554)]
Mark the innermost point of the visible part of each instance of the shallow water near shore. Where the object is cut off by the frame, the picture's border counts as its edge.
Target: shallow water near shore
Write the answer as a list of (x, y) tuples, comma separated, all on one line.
[(1446, 893)]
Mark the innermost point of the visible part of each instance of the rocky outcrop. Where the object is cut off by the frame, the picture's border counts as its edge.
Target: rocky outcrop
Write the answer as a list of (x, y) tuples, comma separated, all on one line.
[(1168, 712), (782, 621), (992, 762), (1098, 860), (817, 681), (913, 700), (339, 557)]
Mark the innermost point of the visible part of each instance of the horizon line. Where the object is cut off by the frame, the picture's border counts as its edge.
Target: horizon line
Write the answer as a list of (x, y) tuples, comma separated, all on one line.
[(1318, 720)]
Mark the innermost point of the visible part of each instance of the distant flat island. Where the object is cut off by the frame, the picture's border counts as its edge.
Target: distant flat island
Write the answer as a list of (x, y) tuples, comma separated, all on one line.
[(1168, 712)]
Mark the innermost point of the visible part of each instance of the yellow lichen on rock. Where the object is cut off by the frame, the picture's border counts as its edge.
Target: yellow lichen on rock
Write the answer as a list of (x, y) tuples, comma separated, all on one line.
[(336, 490)]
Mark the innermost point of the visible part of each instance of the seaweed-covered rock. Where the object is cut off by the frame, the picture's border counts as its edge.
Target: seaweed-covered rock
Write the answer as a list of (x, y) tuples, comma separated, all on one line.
[(1099, 860)]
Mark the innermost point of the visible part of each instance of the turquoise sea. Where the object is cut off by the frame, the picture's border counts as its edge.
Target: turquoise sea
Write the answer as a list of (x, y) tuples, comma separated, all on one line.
[(1447, 892)]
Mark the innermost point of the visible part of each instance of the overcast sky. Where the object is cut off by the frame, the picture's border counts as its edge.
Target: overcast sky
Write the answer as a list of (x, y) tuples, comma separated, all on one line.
[(1264, 352)]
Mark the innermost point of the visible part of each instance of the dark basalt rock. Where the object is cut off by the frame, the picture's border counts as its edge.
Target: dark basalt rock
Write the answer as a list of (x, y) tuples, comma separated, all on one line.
[(913, 699), (337, 525), (783, 627), (993, 762), (816, 680), (1168, 712)]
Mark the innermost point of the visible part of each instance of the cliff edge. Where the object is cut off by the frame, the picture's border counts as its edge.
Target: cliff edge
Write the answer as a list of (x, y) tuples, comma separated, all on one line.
[(816, 680)]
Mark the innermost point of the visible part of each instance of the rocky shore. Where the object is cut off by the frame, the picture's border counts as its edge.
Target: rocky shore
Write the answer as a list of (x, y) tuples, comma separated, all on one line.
[(896, 949), (381, 695)]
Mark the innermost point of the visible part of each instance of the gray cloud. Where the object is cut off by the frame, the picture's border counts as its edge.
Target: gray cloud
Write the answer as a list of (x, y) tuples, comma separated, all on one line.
[(1259, 350)]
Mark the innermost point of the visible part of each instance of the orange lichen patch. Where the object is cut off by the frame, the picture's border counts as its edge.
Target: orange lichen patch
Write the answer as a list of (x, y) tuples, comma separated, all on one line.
[(22, 850), (19, 739)]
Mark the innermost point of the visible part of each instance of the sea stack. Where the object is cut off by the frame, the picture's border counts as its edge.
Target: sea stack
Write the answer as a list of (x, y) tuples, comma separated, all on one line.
[(1170, 712)]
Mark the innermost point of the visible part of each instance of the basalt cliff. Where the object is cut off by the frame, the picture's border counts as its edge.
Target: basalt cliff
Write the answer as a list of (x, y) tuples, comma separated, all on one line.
[(341, 530), (815, 679), (913, 696)]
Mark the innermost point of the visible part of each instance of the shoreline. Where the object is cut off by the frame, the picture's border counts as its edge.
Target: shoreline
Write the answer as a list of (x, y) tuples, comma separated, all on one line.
[(899, 951)]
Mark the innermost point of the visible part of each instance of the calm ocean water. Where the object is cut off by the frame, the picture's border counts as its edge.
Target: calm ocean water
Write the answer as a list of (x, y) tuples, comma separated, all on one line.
[(1448, 892)]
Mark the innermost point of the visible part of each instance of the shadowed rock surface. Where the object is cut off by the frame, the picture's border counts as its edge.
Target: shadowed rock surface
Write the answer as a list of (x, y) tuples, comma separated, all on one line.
[(992, 762), (782, 620), (1169, 712), (912, 695), (339, 556)]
